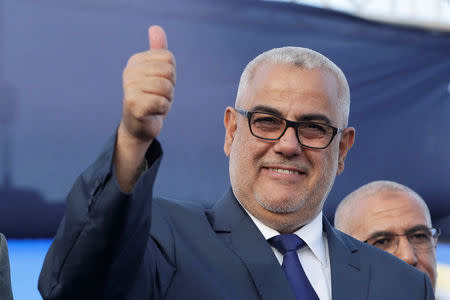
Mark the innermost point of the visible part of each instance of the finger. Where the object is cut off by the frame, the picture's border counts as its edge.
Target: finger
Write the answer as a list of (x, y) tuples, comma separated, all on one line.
[(151, 85), (157, 37), (156, 106), (149, 56), (158, 86), (149, 69), (142, 105)]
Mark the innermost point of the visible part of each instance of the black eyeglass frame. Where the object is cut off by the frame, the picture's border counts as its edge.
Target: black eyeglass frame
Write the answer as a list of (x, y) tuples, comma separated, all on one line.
[(293, 124), (435, 233)]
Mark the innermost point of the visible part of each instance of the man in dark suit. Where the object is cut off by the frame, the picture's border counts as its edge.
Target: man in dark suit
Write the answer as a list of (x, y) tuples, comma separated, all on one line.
[(286, 139)]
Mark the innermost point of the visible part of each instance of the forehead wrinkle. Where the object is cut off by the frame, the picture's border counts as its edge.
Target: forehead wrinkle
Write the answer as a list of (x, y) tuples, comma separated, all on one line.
[(292, 79), (278, 88), (301, 108), (398, 218)]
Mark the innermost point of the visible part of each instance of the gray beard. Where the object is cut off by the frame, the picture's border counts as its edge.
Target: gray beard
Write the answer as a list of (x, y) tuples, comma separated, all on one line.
[(293, 205)]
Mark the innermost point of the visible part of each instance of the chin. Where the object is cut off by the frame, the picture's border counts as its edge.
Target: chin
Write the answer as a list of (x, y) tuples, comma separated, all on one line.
[(280, 206)]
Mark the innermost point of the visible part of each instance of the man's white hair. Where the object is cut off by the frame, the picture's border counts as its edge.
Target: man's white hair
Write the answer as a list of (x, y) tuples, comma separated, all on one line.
[(303, 58)]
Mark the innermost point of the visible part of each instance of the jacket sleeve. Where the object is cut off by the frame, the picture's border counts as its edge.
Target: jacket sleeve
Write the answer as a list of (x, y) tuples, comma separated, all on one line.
[(104, 232)]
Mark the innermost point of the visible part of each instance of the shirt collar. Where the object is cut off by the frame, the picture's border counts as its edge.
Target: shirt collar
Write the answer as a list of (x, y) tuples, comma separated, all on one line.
[(312, 234)]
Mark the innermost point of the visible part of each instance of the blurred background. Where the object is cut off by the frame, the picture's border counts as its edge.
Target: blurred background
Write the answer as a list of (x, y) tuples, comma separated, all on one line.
[(60, 99)]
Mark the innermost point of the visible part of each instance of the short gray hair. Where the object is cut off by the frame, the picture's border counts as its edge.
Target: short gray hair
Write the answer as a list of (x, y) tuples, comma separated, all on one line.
[(302, 58)]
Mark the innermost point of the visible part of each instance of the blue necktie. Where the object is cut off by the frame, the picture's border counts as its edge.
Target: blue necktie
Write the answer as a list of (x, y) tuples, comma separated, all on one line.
[(288, 244)]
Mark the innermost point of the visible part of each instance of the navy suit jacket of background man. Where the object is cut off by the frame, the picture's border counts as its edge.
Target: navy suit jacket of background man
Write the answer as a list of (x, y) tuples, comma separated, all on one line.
[(108, 247)]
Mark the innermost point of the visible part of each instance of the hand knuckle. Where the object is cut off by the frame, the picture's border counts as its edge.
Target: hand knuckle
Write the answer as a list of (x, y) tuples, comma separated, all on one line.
[(133, 59), (130, 108), (129, 84), (126, 73), (142, 112), (162, 106), (171, 57), (171, 74), (166, 86)]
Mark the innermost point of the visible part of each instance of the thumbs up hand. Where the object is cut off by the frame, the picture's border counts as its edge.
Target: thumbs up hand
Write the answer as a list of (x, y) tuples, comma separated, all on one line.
[(148, 85)]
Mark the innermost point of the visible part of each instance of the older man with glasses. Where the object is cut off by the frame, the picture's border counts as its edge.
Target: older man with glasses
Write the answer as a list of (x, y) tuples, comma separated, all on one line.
[(286, 138), (394, 218)]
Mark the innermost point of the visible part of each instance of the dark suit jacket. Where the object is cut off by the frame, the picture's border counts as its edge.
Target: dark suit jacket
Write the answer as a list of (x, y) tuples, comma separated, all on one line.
[(5, 278), (105, 248)]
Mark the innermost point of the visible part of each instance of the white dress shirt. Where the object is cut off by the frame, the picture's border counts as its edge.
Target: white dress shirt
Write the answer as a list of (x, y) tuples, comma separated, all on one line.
[(314, 257)]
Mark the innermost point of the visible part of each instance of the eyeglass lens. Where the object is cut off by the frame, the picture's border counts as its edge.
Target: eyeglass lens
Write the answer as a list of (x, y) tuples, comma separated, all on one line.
[(311, 134), (421, 239)]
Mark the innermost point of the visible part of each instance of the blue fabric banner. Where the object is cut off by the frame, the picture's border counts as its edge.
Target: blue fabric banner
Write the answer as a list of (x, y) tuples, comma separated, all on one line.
[(60, 96)]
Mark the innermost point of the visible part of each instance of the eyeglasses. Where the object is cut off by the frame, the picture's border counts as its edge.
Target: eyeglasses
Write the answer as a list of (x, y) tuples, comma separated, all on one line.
[(267, 126), (419, 239)]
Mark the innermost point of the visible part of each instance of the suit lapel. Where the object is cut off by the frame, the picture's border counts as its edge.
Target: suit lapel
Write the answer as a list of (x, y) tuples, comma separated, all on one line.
[(249, 244), (349, 277)]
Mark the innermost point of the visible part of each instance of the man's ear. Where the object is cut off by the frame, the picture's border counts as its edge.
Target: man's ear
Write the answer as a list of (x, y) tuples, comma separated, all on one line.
[(346, 142), (229, 120)]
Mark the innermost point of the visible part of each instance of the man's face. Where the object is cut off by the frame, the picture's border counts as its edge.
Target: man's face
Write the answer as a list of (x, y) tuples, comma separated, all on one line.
[(280, 182), (396, 212)]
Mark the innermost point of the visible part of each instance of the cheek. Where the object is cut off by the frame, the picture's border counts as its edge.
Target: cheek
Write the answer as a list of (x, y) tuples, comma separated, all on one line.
[(427, 264), (240, 158), (428, 260), (246, 156), (332, 160), (325, 164), (247, 149)]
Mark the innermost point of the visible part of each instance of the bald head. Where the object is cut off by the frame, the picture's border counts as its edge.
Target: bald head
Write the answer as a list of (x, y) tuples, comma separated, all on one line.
[(352, 211)]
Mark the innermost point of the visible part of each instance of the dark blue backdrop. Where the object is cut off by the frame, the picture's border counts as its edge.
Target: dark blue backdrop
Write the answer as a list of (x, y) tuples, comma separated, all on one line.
[(60, 96)]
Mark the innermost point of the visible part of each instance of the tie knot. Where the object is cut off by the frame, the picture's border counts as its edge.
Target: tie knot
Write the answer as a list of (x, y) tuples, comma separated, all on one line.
[(286, 242)]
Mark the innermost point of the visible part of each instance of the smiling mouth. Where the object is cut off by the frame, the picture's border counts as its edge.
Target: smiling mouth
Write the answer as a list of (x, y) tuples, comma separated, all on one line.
[(286, 171)]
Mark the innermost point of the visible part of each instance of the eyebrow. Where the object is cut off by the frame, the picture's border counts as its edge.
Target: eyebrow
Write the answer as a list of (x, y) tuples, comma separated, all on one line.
[(308, 117), (379, 233), (415, 228), (387, 233)]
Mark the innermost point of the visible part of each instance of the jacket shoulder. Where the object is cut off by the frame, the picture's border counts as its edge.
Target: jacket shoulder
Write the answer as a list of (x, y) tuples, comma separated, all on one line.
[(389, 276)]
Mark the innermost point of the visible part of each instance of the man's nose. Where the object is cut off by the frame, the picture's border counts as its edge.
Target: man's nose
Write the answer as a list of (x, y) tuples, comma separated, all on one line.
[(406, 252), (288, 144)]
